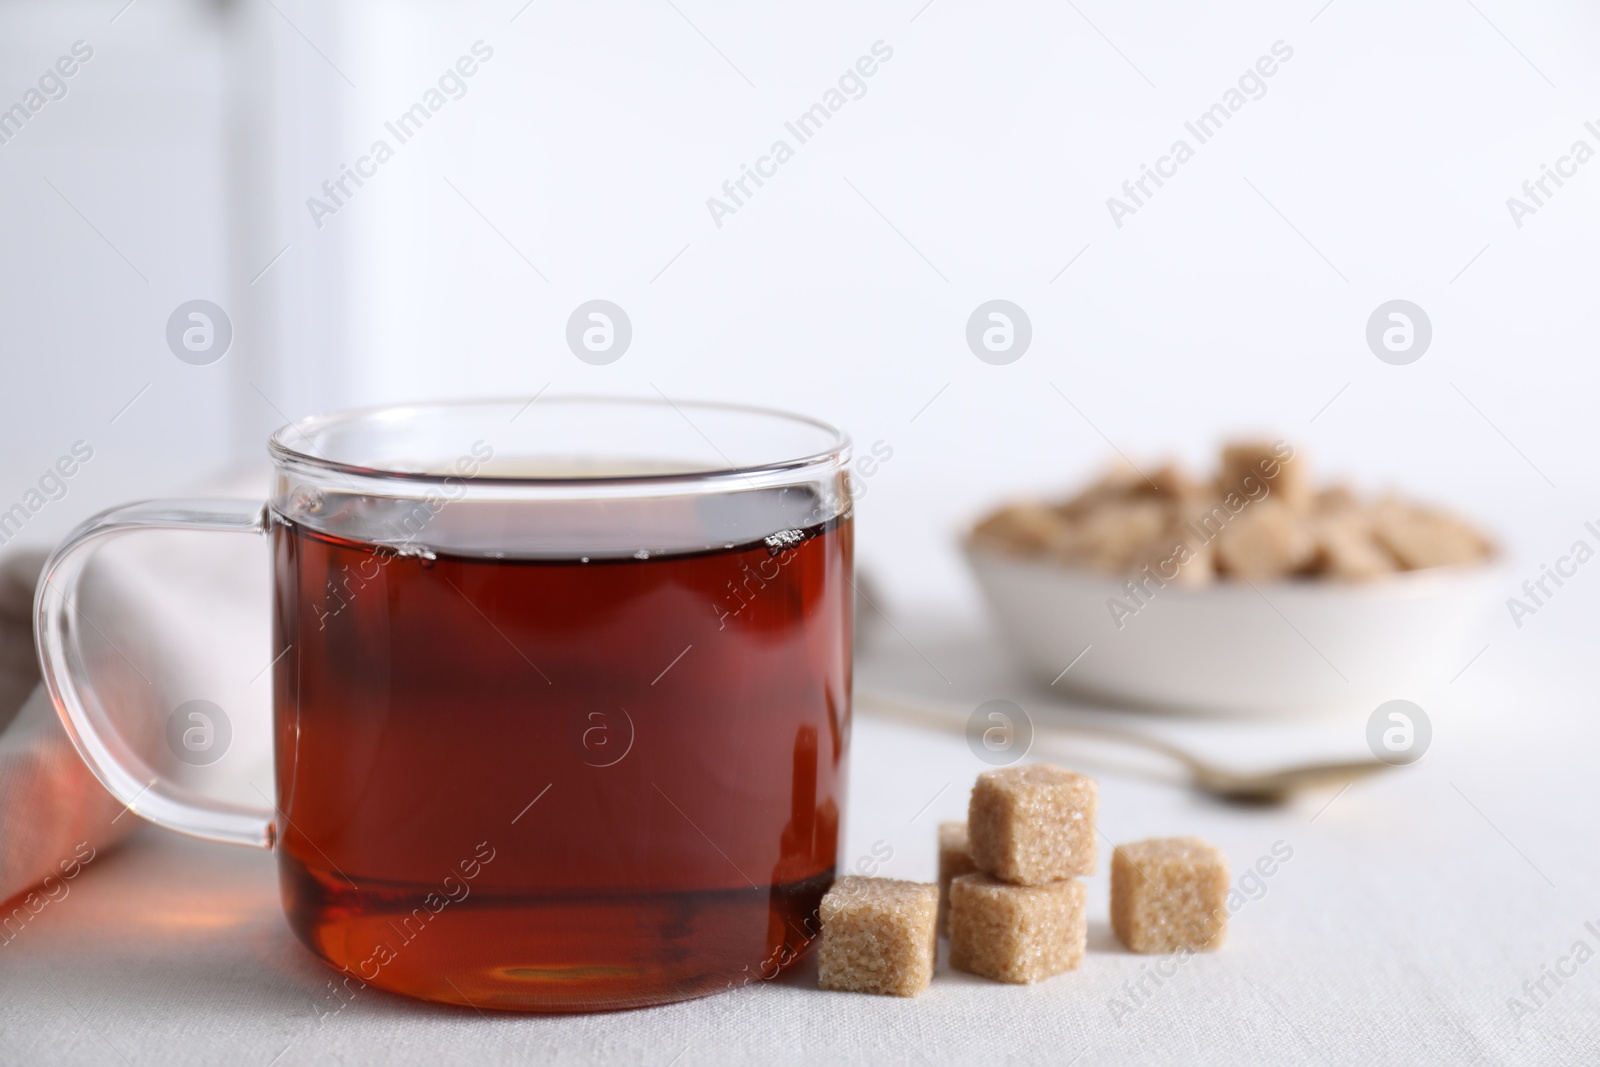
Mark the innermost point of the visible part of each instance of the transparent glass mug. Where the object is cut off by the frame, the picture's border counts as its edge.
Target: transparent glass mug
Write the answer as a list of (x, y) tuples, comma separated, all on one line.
[(563, 702)]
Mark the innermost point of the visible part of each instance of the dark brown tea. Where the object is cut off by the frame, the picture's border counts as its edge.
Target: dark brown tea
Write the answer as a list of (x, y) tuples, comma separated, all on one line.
[(544, 780)]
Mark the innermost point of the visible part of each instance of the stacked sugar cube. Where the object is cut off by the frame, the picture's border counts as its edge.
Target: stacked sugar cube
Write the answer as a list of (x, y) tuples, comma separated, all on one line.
[(1010, 895), (1018, 916)]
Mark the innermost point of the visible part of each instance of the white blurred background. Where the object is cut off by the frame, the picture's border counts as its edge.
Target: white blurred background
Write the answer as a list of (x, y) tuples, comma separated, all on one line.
[(976, 165)]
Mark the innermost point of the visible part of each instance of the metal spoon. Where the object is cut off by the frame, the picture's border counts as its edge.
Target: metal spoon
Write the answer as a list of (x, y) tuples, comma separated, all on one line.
[(1235, 787)]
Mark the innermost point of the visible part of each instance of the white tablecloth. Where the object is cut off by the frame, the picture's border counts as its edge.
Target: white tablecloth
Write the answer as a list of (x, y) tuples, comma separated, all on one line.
[(1402, 930)]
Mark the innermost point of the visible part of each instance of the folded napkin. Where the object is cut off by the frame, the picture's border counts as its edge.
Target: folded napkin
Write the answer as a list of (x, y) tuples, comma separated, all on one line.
[(53, 813), (174, 617)]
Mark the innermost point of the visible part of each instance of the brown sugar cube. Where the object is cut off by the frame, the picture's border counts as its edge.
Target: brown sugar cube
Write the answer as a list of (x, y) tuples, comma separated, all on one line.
[(1265, 540), (1016, 933), (1118, 482), (1180, 556), (1024, 528), (1204, 518), (879, 935), (1347, 550), (1033, 824), (954, 861), (1421, 537), (1169, 893), (1168, 480), (1112, 536), (1247, 466), (1335, 499)]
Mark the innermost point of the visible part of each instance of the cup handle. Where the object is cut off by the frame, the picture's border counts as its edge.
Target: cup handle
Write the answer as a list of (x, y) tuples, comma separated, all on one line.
[(59, 628)]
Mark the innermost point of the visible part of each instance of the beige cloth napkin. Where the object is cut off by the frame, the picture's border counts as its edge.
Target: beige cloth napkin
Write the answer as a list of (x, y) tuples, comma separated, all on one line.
[(187, 615), (52, 809)]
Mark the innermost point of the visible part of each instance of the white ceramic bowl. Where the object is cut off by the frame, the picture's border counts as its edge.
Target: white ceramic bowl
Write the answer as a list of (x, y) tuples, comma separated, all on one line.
[(1235, 648)]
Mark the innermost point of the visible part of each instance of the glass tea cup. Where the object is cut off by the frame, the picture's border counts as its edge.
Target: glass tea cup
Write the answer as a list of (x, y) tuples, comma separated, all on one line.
[(561, 707)]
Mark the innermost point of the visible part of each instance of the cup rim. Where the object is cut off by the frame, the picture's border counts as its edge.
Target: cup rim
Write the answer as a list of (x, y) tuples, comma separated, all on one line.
[(284, 453)]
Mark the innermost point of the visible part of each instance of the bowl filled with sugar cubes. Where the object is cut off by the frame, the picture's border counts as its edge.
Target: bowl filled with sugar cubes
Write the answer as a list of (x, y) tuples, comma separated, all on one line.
[(1253, 591)]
